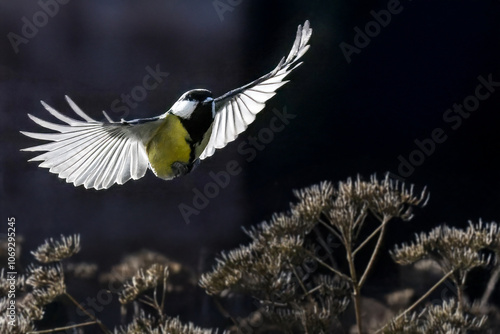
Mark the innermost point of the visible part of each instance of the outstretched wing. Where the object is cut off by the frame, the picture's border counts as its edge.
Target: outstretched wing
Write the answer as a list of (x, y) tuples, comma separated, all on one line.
[(238, 108), (92, 153)]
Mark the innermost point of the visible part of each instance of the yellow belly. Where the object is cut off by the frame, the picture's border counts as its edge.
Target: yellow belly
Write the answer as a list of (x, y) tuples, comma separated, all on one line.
[(168, 145)]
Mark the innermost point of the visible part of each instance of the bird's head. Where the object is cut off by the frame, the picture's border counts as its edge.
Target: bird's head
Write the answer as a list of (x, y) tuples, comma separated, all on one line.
[(187, 103)]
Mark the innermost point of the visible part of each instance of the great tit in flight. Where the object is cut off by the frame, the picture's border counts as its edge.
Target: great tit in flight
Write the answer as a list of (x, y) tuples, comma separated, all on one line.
[(99, 154)]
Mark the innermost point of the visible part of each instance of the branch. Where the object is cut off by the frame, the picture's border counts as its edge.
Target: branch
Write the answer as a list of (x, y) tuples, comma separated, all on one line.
[(99, 323), (415, 304), (374, 254), (374, 233), (57, 329), (331, 229), (328, 267), (490, 287), (355, 288)]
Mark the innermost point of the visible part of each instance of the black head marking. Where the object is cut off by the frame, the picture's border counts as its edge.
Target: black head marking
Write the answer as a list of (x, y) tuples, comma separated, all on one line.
[(198, 95)]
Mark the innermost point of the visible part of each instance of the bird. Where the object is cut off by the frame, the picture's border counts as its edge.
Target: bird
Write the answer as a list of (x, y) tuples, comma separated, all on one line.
[(99, 154)]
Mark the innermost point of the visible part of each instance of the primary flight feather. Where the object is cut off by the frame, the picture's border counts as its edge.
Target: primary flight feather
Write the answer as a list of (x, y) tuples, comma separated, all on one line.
[(99, 154)]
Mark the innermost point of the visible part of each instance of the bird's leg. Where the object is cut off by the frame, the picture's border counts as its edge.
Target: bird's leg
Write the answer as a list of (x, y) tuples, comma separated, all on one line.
[(180, 168)]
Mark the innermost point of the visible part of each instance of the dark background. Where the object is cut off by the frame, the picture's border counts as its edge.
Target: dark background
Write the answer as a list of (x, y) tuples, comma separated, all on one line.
[(351, 118)]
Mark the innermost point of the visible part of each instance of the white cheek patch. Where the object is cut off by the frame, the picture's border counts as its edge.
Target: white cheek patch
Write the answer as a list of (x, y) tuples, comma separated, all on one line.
[(184, 108)]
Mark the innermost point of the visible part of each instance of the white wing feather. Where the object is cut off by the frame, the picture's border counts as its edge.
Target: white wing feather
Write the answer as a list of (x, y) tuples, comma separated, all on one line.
[(92, 153), (238, 108)]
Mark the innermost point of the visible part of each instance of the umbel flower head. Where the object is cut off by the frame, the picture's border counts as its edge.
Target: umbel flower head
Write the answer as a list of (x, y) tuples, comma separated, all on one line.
[(40, 277), (267, 267), (313, 201), (146, 324), (278, 244), (55, 251), (386, 199), (47, 283), (452, 248), (179, 274), (142, 282), (5, 284), (442, 318), (43, 284)]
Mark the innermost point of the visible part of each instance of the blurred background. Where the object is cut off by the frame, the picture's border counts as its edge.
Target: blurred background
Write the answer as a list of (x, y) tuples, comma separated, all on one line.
[(359, 107)]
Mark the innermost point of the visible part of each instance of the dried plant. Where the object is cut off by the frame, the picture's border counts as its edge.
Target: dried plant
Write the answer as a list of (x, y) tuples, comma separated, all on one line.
[(23, 325), (45, 283), (145, 324), (136, 290), (141, 323), (179, 275), (302, 269), (20, 283), (444, 318), (81, 270), (55, 251), (456, 251), (142, 282), (43, 276), (448, 318), (267, 267), (174, 326)]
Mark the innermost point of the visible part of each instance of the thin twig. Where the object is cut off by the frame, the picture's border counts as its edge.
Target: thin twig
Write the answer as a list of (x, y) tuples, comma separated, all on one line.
[(147, 302), (299, 280), (374, 233), (376, 215), (490, 287), (328, 266), (325, 246), (415, 304), (148, 298), (314, 289), (360, 220), (225, 313), (165, 274), (331, 229), (57, 329), (303, 316), (355, 288), (99, 323), (460, 298), (376, 250)]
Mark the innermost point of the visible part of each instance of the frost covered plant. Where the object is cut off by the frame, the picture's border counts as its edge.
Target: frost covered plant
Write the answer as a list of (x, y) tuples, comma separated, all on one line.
[(270, 267)]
